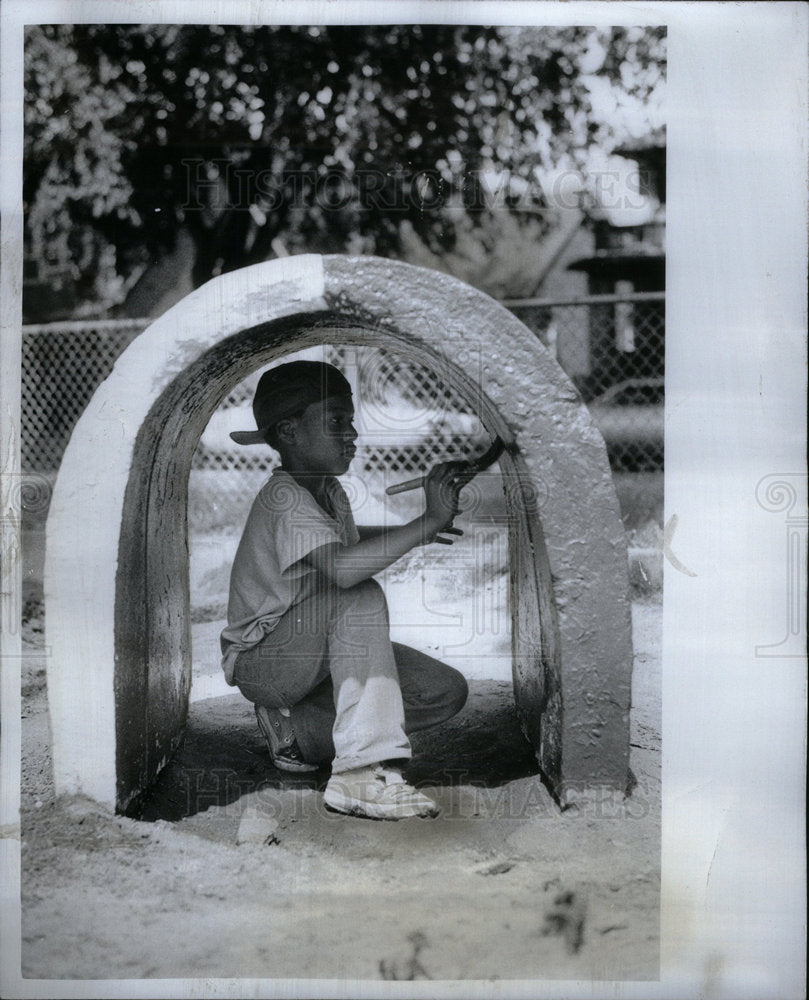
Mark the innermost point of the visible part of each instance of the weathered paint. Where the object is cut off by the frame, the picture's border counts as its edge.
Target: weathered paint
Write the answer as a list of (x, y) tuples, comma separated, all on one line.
[(117, 561)]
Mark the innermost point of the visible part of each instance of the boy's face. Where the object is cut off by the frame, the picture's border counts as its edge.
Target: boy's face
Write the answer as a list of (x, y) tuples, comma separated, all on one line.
[(324, 438)]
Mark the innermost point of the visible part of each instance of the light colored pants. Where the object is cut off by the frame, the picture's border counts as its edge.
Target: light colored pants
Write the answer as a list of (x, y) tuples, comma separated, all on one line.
[(353, 694)]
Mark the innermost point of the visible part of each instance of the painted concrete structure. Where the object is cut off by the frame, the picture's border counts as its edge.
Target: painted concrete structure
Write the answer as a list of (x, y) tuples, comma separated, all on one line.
[(116, 577)]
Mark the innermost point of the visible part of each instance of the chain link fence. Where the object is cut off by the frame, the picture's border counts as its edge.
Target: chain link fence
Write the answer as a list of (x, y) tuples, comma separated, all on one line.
[(613, 348), (62, 366), (409, 416)]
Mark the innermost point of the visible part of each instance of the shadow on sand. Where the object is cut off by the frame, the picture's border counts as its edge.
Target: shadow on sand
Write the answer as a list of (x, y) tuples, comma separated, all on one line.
[(223, 756)]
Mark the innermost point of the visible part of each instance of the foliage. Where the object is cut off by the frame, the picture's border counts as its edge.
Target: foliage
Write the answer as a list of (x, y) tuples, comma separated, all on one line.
[(495, 251), (263, 140)]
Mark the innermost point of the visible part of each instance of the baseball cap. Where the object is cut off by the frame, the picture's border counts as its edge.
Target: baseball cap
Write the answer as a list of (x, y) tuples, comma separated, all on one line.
[(288, 389)]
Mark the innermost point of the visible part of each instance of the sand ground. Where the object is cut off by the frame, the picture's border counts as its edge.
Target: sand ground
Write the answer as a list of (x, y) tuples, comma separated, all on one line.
[(235, 870)]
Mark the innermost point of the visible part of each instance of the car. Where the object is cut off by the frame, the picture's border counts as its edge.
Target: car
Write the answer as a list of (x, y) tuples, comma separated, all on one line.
[(630, 417)]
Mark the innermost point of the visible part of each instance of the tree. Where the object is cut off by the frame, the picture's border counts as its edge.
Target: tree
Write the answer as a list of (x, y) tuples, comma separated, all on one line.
[(267, 140)]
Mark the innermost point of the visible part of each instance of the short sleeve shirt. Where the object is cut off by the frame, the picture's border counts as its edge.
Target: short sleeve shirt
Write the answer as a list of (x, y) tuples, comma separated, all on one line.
[(284, 525)]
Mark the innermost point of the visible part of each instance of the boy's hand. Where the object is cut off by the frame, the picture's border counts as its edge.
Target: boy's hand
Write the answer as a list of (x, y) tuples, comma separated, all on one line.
[(442, 489), (446, 531)]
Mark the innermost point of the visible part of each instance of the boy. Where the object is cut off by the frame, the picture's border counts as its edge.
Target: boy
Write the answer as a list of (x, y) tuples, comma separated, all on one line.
[(307, 639)]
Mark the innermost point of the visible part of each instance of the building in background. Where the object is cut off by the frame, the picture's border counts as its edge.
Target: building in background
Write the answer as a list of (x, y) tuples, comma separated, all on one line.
[(627, 339)]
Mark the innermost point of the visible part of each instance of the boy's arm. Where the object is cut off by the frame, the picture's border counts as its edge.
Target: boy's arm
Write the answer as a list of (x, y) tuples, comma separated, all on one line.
[(348, 565)]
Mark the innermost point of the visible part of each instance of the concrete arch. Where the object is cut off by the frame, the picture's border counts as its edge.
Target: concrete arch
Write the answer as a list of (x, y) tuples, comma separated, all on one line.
[(116, 580)]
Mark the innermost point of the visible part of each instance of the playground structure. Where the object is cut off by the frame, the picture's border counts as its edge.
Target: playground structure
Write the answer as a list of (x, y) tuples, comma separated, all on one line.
[(116, 577)]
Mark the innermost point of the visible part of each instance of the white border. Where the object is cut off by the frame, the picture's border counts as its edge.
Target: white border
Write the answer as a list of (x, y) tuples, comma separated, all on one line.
[(733, 834)]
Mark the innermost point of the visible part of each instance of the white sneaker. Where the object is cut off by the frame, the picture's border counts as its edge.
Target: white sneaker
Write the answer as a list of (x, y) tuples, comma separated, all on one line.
[(376, 792)]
